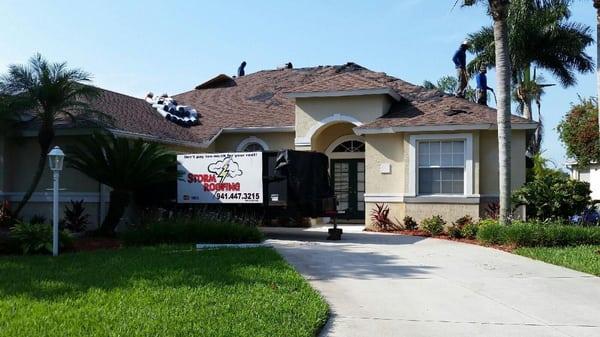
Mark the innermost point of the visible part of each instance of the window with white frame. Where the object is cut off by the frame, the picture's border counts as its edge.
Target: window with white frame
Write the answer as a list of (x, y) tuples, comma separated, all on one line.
[(441, 167), (253, 147)]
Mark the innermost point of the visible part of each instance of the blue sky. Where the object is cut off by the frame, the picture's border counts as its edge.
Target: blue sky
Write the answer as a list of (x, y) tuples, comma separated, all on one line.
[(170, 46)]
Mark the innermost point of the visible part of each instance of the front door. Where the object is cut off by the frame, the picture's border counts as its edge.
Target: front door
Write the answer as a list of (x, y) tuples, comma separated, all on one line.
[(349, 186)]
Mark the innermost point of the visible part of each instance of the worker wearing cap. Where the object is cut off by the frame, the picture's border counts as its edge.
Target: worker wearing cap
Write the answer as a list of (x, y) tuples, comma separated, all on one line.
[(460, 62), (482, 87)]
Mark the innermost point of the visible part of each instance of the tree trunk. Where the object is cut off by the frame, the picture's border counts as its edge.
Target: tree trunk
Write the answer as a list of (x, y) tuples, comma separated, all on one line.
[(119, 200), (45, 138), (504, 113)]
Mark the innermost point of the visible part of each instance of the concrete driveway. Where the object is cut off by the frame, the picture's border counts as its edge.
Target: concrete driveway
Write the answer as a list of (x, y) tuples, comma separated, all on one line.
[(390, 285)]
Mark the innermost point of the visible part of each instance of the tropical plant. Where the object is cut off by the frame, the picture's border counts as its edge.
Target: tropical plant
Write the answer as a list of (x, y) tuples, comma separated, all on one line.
[(447, 85), (123, 164), (457, 230), (6, 216), (597, 6), (37, 237), (75, 219), (540, 36), (498, 10), (47, 93), (380, 218), (578, 130), (552, 195)]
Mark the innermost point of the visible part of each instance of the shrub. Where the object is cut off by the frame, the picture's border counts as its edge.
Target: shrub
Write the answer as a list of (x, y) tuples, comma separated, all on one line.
[(35, 238), (191, 229), (579, 132), (490, 232), (75, 219), (469, 231), (457, 230), (535, 234), (410, 223), (492, 210), (434, 225), (551, 194), (380, 218)]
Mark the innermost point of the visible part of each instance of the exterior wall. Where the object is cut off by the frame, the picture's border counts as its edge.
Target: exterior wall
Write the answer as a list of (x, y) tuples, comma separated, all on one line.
[(590, 175), (312, 113), (392, 188), (20, 162), (229, 142), (330, 134), (489, 162)]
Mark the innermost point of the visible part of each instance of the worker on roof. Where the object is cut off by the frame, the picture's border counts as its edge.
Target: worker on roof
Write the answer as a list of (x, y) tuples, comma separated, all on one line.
[(482, 87), (460, 62)]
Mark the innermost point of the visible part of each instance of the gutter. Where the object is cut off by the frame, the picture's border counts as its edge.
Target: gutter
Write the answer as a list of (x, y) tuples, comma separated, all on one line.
[(450, 127)]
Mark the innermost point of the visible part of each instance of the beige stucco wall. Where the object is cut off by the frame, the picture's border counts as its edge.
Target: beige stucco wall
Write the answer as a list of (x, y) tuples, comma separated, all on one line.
[(384, 149), (229, 142), (310, 111), (489, 169), (21, 158), (330, 134)]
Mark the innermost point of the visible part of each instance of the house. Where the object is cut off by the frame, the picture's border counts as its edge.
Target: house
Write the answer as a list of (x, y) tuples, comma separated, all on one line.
[(589, 174), (417, 150)]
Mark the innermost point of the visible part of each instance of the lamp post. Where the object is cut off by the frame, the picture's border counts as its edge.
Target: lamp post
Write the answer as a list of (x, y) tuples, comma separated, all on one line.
[(56, 157)]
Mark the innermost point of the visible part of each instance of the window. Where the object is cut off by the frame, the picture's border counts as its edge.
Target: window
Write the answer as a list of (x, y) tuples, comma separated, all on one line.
[(441, 166), (350, 146), (253, 147)]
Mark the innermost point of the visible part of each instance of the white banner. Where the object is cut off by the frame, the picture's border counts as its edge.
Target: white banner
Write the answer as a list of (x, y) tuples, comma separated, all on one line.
[(210, 178)]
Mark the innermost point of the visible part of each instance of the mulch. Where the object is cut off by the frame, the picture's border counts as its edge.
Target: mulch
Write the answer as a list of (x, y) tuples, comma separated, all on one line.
[(87, 244), (421, 233)]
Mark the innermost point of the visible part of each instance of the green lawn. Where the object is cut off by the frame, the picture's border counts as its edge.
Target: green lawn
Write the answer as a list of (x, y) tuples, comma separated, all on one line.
[(157, 291), (582, 258)]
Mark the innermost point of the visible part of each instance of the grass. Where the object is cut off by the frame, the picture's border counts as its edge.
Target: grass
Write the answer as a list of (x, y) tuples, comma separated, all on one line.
[(157, 291), (582, 258)]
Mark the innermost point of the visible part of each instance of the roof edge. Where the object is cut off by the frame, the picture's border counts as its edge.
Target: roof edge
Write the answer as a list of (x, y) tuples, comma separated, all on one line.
[(447, 127)]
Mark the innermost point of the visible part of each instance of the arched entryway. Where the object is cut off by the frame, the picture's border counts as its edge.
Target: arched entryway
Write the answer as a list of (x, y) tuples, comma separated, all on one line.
[(347, 164)]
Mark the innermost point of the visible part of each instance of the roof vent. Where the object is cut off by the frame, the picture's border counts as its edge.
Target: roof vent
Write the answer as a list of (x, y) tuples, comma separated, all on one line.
[(453, 112), (241, 69), (288, 65)]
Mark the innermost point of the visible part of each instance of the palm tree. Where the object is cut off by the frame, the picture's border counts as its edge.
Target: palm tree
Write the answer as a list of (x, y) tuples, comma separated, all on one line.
[(125, 166), (540, 37), (47, 92), (498, 10)]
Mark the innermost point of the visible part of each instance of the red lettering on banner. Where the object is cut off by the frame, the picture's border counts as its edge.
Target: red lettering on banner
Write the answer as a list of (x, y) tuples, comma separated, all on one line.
[(201, 178)]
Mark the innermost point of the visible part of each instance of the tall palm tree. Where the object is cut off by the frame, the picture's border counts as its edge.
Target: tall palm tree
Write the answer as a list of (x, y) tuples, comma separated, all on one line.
[(125, 166), (498, 10), (541, 36), (45, 93)]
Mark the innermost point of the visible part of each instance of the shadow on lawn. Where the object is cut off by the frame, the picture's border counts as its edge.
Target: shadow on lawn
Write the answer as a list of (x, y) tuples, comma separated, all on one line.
[(47, 278)]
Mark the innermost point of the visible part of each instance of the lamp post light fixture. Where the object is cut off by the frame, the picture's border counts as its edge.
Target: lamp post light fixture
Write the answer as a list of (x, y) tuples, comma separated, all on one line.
[(56, 157)]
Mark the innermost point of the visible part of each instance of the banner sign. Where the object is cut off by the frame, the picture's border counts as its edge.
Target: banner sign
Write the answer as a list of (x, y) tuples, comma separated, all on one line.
[(211, 178)]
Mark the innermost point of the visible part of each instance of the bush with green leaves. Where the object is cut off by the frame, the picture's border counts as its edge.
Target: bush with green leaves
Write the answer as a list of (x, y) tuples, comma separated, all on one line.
[(36, 238), (550, 195), (191, 229), (535, 234), (469, 231), (434, 225), (457, 230), (76, 219), (410, 223)]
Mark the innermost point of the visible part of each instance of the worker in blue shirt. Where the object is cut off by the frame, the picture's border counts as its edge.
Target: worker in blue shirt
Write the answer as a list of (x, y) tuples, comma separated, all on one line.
[(460, 62), (482, 87)]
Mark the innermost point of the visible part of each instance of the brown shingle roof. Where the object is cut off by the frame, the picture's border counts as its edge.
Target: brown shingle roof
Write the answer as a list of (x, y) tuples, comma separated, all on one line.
[(260, 100), (340, 82)]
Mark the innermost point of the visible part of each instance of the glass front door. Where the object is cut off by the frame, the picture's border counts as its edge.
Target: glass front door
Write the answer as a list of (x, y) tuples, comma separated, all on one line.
[(349, 186)]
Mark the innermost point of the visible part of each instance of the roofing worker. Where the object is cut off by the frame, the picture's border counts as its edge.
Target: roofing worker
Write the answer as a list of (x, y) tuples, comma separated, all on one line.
[(460, 62), (482, 87)]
